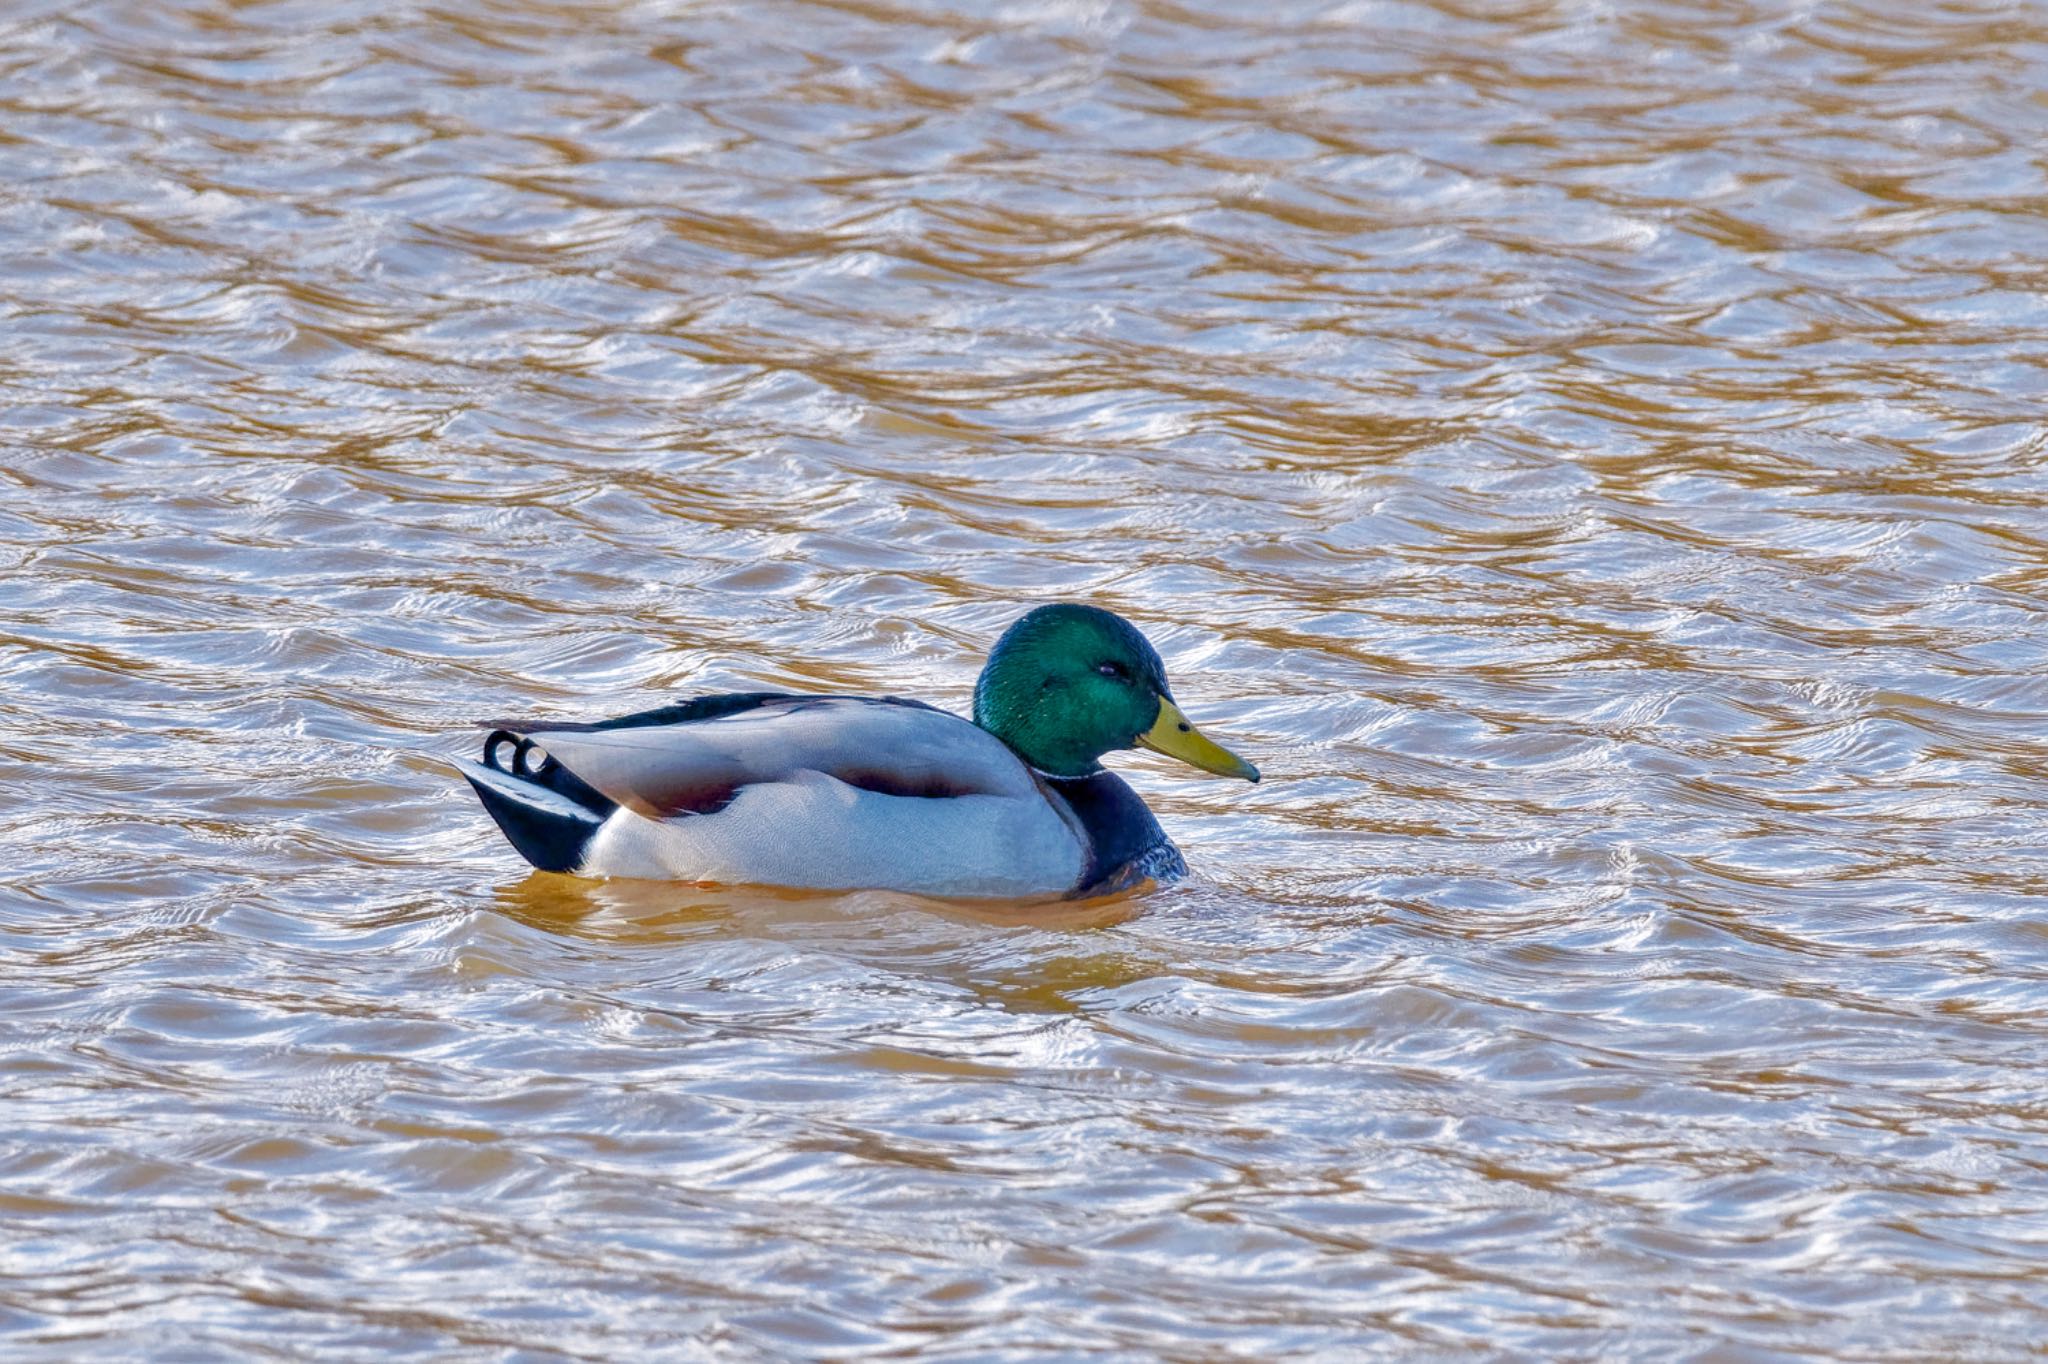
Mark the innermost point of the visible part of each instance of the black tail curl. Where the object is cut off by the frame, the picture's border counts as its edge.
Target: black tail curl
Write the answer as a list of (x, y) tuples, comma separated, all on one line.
[(546, 811), (549, 773)]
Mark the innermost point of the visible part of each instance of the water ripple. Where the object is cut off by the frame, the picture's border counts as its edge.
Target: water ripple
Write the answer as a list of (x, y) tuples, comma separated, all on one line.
[(1591, 458)]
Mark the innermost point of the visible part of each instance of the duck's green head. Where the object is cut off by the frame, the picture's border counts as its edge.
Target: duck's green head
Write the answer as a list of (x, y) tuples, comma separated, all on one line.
[(1068, 683)]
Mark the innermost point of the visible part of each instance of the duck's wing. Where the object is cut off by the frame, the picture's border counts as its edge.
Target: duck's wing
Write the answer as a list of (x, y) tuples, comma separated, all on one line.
[(826, 792), (696, 757)]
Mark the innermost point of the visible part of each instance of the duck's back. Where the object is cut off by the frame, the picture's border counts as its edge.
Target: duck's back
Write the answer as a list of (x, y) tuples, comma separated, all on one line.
[(824, 792)]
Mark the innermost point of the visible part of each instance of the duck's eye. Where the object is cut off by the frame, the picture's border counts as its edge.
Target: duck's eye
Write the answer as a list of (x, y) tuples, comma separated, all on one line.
[(1116, 670)]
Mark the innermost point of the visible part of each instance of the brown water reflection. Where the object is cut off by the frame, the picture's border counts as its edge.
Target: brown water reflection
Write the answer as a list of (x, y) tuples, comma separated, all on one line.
[(1592, 456)]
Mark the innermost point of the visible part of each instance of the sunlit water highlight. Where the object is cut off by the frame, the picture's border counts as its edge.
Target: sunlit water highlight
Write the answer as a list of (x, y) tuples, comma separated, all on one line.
[(1590, 456)]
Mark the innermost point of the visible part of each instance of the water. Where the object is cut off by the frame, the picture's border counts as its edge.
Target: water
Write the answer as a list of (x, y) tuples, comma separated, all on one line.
[(1590, 457)]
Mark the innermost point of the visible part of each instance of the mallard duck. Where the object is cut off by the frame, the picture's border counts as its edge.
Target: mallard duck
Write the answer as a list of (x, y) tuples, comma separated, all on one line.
[(870, 792)]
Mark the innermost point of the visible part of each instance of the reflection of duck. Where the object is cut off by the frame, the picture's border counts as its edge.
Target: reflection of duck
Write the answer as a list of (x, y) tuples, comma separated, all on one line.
[(882, 925), (852, 792)]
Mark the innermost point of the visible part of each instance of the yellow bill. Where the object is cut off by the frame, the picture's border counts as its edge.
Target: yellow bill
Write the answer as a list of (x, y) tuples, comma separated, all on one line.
[(1172, 735)]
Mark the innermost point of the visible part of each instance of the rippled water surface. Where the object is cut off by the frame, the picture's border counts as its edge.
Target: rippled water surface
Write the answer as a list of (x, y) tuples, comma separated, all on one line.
[(1591, 456)]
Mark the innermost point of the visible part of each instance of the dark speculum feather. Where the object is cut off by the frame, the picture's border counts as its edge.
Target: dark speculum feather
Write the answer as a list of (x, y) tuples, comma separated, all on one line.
[(895, 784)]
